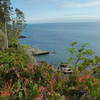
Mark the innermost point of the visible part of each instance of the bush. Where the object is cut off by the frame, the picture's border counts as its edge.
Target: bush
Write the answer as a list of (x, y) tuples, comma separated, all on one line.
[(20, 80)]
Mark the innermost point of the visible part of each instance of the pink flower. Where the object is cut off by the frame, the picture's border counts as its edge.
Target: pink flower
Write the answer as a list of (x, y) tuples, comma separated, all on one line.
[(42, 89)]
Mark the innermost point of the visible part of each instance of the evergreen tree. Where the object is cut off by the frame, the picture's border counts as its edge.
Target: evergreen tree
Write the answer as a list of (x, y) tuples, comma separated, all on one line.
[(11, 22), (5, 18)]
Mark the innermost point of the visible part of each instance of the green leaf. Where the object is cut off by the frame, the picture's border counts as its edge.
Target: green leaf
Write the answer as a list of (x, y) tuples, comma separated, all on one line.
[(4, 98)]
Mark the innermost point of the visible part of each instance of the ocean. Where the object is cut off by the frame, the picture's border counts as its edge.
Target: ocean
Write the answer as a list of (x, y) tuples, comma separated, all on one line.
[(56, 37)]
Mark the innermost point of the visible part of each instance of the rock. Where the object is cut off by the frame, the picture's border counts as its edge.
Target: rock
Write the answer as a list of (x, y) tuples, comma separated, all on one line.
[(42, 62), (53, 52), (22, 36)]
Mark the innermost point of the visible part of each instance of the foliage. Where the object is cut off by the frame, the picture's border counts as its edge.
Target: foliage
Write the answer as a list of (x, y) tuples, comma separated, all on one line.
[(12, 23), (82, 57), (22, 80), (5, 11)]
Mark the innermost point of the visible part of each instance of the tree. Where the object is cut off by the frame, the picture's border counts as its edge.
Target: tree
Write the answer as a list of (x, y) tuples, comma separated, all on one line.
[(11, 22), (2, 37), (5, 18), (82, 57), (18, 24), (20, 20)]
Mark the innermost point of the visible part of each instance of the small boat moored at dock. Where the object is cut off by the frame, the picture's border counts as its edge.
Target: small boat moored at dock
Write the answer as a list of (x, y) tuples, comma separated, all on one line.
[(65, 69)]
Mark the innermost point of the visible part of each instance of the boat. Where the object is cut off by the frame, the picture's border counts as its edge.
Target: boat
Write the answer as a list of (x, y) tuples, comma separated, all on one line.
[(65, 69)]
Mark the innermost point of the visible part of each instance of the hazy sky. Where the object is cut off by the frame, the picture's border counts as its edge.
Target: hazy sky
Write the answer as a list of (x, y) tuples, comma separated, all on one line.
[(41, 11)]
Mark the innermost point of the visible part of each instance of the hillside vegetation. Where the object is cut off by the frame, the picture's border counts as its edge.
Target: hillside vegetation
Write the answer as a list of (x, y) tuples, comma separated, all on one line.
[(21, 78)]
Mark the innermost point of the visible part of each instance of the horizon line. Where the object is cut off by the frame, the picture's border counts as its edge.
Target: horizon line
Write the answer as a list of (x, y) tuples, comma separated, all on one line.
[(64, 22)]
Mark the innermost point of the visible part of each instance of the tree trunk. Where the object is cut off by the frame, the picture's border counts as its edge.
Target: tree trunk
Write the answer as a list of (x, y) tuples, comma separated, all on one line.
[(6, 38)]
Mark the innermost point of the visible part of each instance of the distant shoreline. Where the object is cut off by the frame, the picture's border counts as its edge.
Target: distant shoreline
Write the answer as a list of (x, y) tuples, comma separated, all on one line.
[(64, 22)]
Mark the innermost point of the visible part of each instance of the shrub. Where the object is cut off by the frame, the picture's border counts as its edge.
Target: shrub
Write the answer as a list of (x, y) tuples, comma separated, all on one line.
[(21, 80)]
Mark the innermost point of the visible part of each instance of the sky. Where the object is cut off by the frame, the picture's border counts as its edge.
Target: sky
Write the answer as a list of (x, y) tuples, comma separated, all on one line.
[(53, 11)]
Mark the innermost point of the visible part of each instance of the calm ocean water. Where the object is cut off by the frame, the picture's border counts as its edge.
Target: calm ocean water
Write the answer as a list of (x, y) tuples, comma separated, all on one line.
[(57, 37)]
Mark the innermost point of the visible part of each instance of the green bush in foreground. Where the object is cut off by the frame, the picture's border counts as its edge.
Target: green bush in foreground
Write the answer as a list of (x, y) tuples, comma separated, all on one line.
[(20, 80)]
